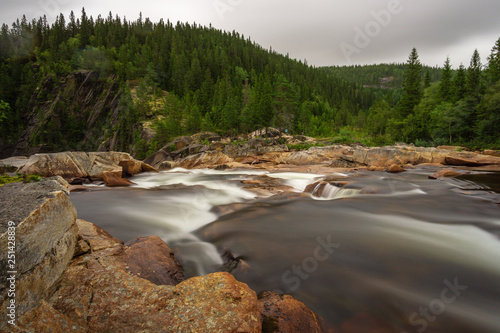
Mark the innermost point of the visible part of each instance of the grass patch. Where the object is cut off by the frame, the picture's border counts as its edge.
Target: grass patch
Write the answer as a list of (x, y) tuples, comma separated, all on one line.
[(19, 177)]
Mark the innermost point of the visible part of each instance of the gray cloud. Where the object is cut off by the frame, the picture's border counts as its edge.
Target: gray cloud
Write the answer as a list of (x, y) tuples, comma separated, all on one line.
[(315, 29)]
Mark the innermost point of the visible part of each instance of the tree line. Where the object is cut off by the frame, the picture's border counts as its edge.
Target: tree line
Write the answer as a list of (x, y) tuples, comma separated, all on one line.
[(183, 78), (463, 107)]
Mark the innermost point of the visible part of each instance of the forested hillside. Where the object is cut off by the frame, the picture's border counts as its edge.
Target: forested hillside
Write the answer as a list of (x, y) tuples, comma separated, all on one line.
[(180, 78), (110, 83)]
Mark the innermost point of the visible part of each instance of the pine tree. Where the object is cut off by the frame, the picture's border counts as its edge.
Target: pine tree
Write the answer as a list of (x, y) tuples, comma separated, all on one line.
[(474, 75), (85, 29), (445, 86), (494, 63), (459, 83), (412, 85), (427, 79)]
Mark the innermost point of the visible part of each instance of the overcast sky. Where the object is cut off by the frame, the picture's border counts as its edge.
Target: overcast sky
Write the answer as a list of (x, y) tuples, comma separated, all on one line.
[(325, 32)]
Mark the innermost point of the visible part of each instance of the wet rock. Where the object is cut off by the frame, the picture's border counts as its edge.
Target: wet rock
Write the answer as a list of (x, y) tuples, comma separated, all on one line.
[(222, 167), (77, 188), (446, 173), (471, 159), (316, 188), (45, 235), (165, 166), (77, 181), (264, 185), (283, 313), (147, 168), (110, 179), (151, 259), (130, 167), (395, 168)]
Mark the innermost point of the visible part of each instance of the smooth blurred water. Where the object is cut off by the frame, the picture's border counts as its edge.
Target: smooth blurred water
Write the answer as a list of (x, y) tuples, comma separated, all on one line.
[(384, 247)]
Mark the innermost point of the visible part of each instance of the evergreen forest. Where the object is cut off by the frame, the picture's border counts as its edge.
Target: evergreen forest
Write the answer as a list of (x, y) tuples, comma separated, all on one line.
[(180, 79)]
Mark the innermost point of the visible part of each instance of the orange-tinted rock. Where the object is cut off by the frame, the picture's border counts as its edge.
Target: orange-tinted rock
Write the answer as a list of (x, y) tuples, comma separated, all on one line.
[(147, 168), (492, 152), (285, 314), (395, 168), (445, 173), (110, 179), (99, 293), (211, 158), (471, 159), (152, 259), (130, 167), (97, 238), (46, 319), (77, 188)]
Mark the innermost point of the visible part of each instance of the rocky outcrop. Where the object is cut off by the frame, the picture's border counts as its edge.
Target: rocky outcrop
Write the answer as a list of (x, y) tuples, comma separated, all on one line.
[(271, 151), (207, 159), (109, 276), (182, 147), (284, 314), (43, 220), (83, 99), (84, 165)]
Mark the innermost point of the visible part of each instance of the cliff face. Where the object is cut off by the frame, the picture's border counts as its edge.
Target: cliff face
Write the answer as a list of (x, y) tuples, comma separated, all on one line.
[(76, 112)]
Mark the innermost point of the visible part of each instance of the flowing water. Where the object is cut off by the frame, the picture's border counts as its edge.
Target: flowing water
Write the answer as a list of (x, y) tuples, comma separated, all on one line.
[(396, 253)]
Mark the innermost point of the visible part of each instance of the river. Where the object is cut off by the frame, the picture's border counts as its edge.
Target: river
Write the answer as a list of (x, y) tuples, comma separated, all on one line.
[(394, 252)]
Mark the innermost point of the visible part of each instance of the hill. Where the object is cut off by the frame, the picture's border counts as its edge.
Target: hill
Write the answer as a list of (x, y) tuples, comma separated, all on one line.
[(107, 83)]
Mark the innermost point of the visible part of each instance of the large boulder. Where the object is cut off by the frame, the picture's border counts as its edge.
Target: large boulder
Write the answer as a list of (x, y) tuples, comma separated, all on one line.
[(41, 219), (285, 314), (84, 165), (152, 259)]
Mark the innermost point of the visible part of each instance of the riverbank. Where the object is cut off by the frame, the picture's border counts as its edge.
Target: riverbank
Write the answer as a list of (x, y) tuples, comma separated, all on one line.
[(72, 273)]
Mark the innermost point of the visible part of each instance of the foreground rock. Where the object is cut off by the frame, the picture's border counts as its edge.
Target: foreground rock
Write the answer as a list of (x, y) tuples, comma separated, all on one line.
[(110, 286), (43, 219), (84, 165), (99, 282), (283, 313)]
